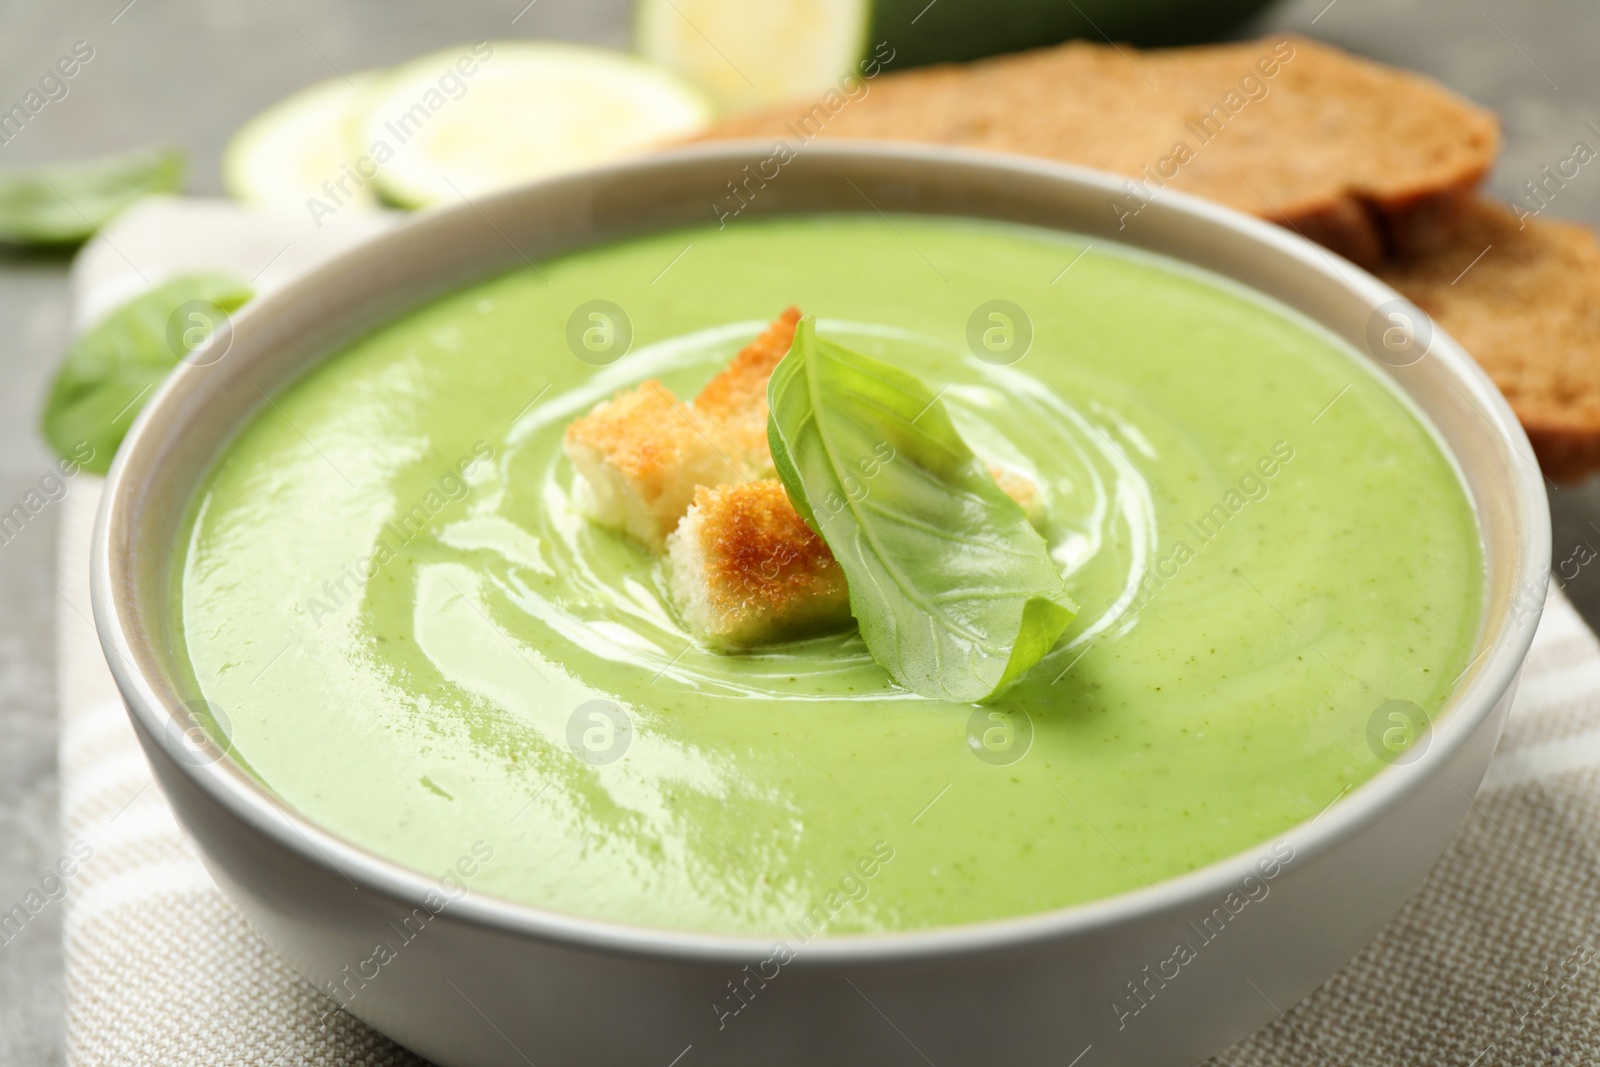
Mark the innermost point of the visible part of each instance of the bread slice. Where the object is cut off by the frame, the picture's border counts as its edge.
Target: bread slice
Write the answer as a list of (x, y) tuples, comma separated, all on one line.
[(734, 403), (1377, 164), (1367, 160), (639, 457), (746, 570), (1523, 298)]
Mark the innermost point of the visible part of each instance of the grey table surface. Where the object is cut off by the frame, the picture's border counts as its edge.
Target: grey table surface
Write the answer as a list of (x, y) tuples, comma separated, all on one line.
[(190, 73)]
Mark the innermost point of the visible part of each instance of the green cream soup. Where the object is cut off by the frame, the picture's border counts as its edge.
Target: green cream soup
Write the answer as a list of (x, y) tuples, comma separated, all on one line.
[(414, 640)]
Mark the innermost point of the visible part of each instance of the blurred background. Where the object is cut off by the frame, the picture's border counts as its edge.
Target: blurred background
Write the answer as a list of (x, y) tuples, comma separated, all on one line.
[(189, 74)]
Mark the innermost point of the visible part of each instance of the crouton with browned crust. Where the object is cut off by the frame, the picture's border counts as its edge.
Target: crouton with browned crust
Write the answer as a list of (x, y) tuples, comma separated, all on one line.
[(639, 457), (746, 570), (734, 403), (697, 480)]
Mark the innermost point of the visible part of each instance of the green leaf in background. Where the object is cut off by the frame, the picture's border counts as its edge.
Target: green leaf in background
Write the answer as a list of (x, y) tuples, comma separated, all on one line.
[(68, 203), (954, 590), (112, 370)]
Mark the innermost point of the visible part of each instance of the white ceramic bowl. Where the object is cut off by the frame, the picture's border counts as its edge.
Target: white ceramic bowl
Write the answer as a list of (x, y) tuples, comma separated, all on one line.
[(492, 982)]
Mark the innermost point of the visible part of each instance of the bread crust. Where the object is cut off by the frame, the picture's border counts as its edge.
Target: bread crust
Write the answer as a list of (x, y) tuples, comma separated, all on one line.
[(639, 457), (1522, 296), (1379, 165), (746, 570), (1363, 158), (734, 403)]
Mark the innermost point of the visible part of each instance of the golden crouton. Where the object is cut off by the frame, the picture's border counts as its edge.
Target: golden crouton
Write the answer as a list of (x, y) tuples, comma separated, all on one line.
[(734, 403), (746, 570), (639, 457), (643, 457), (1020, 487)]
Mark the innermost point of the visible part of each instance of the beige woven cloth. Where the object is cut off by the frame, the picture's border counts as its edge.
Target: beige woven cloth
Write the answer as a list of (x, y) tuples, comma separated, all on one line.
[(160, 970), (1492, 962)]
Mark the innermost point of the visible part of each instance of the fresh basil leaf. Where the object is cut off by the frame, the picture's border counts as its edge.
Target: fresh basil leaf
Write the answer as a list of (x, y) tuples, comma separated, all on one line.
[(954, 590), (111, 372), (67, 203)]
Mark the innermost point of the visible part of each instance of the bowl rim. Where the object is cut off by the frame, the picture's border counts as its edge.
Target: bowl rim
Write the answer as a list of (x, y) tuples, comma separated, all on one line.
[(227, 784)]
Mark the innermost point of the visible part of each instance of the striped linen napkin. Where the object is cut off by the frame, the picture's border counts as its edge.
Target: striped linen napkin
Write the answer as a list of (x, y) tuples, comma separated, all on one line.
[(1491, 962), (160, 969)]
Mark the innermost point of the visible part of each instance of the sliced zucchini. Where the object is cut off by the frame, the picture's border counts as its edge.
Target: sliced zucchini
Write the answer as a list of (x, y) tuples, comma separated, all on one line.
[(747, 53), (487, 116), (286, 154)]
